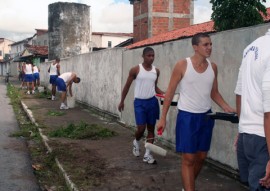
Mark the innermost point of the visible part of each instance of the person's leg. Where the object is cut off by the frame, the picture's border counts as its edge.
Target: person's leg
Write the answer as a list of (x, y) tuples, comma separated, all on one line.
[(53, 89), (141, 125), (200, 158), (188, 171)]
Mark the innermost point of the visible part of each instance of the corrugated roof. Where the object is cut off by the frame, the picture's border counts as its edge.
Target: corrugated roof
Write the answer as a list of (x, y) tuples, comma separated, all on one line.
[(37, 50), (182, 33)]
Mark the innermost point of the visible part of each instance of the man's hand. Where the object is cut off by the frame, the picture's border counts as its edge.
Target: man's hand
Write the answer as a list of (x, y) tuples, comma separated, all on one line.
[(161, 126), (121, 106), (265, 181)]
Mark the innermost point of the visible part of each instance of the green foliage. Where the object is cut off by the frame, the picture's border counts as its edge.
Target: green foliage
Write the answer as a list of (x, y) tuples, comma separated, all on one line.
[(55, 113), (82, 131), (230, 14)]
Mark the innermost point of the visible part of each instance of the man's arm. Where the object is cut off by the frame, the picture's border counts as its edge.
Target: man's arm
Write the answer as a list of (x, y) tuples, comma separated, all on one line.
[(216, 96), (132, 75), (159, 91), (69, 83), (176, 77), (58, 69)]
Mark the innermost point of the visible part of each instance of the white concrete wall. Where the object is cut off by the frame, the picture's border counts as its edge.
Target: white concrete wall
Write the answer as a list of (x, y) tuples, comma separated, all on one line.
[(101, 75), (104, 74)]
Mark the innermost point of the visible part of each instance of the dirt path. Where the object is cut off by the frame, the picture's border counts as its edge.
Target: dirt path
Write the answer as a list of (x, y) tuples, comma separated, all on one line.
[(109, 164)]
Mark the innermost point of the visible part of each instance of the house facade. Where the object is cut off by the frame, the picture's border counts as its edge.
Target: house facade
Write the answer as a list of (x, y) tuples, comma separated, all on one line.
[(108, 40), (5, 51)]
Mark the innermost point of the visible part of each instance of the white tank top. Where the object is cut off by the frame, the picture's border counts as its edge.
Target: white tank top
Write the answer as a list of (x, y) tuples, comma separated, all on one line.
[(145, 83), (195, 89), (65, 76), (35, 69), (53, 69), (28, 69)]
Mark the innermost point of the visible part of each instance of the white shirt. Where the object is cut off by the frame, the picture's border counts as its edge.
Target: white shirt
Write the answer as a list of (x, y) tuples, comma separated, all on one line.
[(53, 69), (65, 76), (195, 89), (35, 69), (254, 86), (145, 83)]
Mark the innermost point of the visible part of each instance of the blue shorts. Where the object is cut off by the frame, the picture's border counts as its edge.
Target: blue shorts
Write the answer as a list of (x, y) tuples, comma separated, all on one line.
[(36, 76), (61, 85), (28, 78), (146, 111), (53, 79), (193, 132), (252, 157)]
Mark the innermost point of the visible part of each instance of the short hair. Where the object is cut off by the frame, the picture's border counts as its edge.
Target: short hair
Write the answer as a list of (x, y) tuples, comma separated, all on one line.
[(196, 38), (29, 61), (147, 49), (57, 59), (78, 80)]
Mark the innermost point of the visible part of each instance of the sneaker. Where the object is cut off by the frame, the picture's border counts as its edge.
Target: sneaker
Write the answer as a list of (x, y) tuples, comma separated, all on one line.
[(136, 148), (149, 159), (53, 98), (33, 92), (63, 107), (28, 92)]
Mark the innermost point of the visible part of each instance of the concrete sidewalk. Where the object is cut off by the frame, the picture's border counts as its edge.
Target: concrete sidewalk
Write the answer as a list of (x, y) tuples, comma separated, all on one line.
[(16, 173), (126, 171)]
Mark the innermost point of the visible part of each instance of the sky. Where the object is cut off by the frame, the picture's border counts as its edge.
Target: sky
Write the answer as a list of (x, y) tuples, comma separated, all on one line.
[(19, 19)]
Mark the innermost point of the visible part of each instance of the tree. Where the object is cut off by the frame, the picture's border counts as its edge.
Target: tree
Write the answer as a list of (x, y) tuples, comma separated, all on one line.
[(230, 14)]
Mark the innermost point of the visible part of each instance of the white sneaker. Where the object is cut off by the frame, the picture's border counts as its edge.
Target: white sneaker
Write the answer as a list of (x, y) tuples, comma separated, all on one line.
[(64, 107), (33, 92), (136, 148), (53, 98), (28, 92), (149, 159)]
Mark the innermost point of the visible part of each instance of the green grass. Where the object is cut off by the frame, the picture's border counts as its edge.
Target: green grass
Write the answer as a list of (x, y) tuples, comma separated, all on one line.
[(83, 131), (56, 113)]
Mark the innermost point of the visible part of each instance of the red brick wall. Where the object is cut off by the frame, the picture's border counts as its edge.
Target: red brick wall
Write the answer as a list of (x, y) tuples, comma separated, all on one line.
[(161, 6), (160, 25), (140, 30), (181, 6), (179, 23)]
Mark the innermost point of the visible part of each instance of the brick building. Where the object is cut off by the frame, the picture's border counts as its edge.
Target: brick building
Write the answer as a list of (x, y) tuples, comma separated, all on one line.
[(153, 17)]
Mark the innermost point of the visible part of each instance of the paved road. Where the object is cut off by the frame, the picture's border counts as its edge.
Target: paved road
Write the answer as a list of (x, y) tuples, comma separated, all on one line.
[(16, 173)]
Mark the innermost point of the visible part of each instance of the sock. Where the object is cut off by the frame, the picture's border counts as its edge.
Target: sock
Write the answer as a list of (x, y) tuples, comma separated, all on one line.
[(147, 152)]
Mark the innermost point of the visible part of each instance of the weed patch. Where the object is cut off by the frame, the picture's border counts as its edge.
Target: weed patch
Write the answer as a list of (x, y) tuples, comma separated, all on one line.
[(55, 113), (83, 131)]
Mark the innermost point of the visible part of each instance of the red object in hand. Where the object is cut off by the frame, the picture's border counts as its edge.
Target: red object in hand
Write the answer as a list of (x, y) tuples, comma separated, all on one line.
[(160, 95), (159, 132)]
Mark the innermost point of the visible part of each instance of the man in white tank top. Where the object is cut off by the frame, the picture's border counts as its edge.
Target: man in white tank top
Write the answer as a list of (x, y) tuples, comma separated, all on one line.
[(146, 106), (36, 71), (28, 77), (54, 71), (197, 80), (64, 84)]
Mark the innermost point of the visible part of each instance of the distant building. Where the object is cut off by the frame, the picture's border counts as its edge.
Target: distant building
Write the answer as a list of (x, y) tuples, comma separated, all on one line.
[(41, 38), (108, 40), (5, 51)]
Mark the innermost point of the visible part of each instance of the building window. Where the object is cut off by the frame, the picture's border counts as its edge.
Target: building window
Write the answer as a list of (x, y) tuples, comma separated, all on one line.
[(109, 44), (45, 42), (0, 52)]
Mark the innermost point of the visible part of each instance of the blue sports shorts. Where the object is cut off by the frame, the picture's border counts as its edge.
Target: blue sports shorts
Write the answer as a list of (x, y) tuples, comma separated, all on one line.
[(53, 79), (193, 132), (36, 76), (28, 78), (61, 85), (146, 111), (252, 157)]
